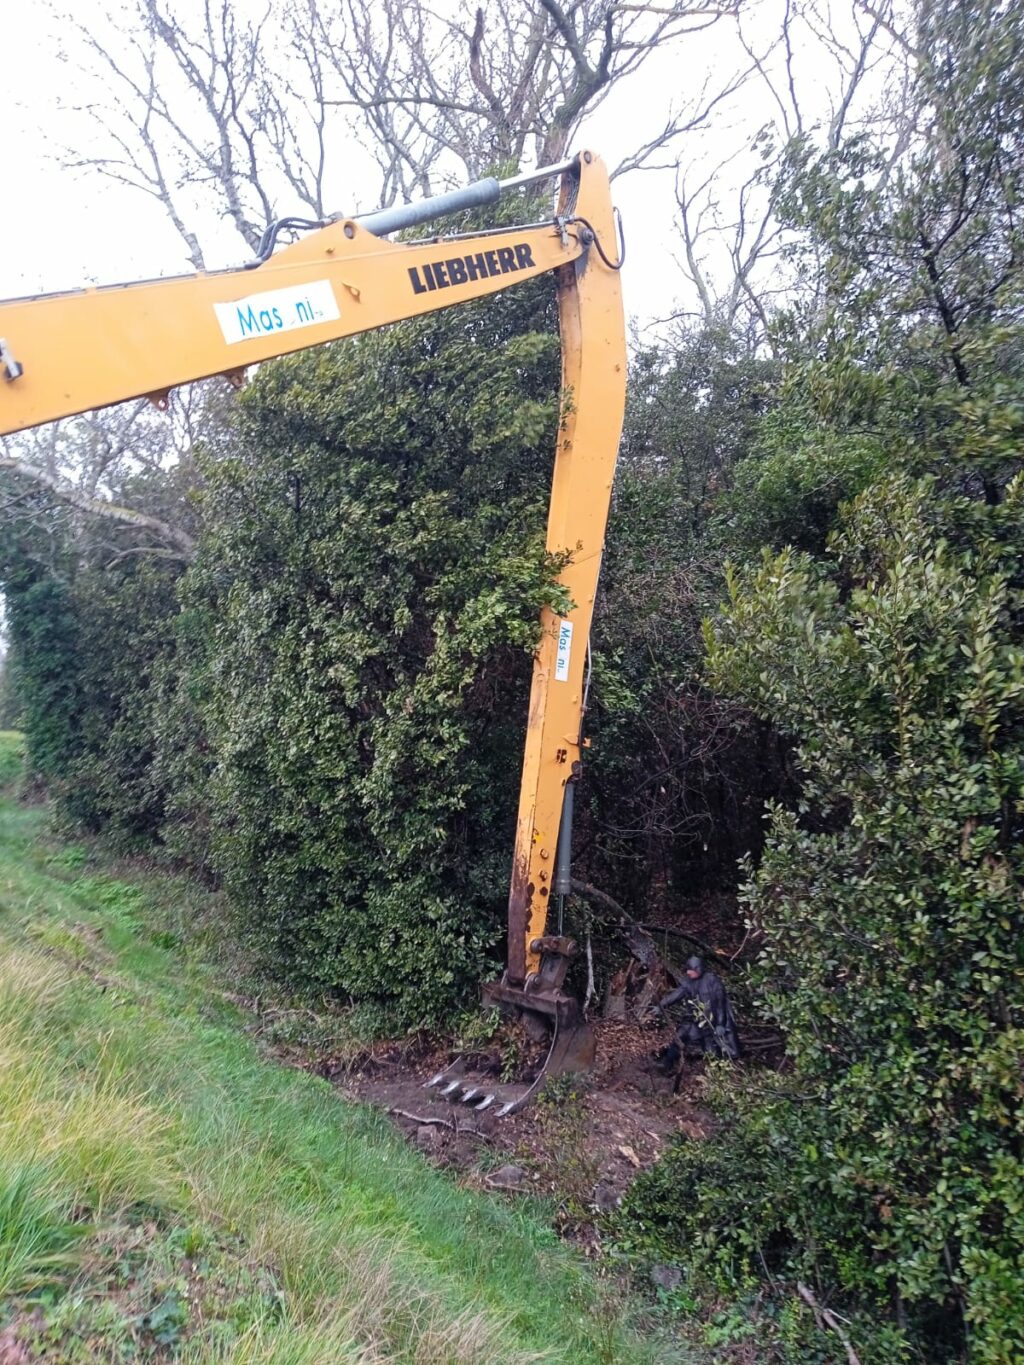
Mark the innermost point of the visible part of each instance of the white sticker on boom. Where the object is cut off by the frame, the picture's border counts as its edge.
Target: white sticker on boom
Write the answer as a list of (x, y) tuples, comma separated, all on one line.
[(564, 651), (277, 310)]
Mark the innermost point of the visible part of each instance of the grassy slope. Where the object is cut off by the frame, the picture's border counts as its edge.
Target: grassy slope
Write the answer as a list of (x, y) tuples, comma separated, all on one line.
[(166, 1194)]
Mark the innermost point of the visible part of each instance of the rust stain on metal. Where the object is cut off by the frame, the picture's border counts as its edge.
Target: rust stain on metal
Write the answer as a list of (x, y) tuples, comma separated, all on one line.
[(520, 899)]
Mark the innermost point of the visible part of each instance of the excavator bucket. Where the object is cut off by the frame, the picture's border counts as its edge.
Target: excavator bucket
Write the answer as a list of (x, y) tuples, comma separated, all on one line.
[(548, 1014), (570, 1052)]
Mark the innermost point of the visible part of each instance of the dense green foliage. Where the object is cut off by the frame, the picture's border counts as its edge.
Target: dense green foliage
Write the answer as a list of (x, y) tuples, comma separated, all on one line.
[(124, 647), (678, 774), (44, 647), (369, 584), (89, 649), (884, 1164)]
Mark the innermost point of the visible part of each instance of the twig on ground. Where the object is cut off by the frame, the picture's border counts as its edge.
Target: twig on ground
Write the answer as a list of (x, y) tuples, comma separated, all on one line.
[(456, 1128), (421, 1118), (826, 1316)]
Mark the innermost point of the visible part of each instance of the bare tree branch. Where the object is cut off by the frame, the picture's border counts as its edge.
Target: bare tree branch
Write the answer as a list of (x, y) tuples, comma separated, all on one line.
[(172, 537)]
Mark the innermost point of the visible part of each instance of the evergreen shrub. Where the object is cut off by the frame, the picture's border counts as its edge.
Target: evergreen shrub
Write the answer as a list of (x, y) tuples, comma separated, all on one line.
[(886, 1163)]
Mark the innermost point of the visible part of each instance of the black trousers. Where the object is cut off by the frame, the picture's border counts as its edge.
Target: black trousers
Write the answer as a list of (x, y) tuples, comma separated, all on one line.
[(688, 1036)]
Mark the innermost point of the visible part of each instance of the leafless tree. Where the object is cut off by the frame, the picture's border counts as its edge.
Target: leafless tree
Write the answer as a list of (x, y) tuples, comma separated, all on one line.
[(508, 84), (189, 112), (129, 466), (252, 118), (817, 72)]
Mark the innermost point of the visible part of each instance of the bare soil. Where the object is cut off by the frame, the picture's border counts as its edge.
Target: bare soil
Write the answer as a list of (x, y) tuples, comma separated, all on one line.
[(579, 1144)]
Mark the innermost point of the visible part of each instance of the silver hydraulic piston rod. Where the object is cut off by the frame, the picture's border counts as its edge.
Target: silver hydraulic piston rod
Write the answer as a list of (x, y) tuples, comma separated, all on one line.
[(487, 191)]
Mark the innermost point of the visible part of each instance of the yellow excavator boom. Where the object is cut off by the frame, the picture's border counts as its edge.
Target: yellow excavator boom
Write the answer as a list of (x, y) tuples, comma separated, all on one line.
[(68, 353)]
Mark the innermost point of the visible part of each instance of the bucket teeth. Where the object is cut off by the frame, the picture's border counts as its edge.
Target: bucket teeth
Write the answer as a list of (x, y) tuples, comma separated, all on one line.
[(458, 1084), (457, 1092)]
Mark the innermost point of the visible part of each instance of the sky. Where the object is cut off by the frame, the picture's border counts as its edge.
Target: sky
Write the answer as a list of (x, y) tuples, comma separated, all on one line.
[(66, 228)]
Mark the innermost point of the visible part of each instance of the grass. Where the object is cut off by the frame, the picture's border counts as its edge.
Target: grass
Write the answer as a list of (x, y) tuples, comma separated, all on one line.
[(167, 1194), (12, 757)]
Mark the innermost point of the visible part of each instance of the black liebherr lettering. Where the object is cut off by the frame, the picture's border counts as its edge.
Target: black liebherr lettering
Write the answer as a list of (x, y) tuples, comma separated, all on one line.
[(481, 265)]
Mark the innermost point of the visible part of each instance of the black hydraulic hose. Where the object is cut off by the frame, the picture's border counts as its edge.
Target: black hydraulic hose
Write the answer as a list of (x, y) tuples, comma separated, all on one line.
[(273, 230), (485, 192), (612, 265)]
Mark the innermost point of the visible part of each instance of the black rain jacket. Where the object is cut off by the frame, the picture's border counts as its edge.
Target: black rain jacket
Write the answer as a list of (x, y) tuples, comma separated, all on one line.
[(707, 1019)]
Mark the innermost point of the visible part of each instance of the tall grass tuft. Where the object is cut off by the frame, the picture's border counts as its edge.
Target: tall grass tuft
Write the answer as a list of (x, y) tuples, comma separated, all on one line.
[(70, 1142), (36, 1231), (328, 1342)]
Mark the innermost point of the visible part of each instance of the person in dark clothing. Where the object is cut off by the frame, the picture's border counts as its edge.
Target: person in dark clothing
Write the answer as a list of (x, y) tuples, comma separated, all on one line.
[(707, 1023)]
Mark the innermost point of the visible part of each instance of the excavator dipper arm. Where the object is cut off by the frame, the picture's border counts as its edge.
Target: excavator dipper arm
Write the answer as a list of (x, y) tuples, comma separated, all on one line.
[(62, 354), (593, 400)]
